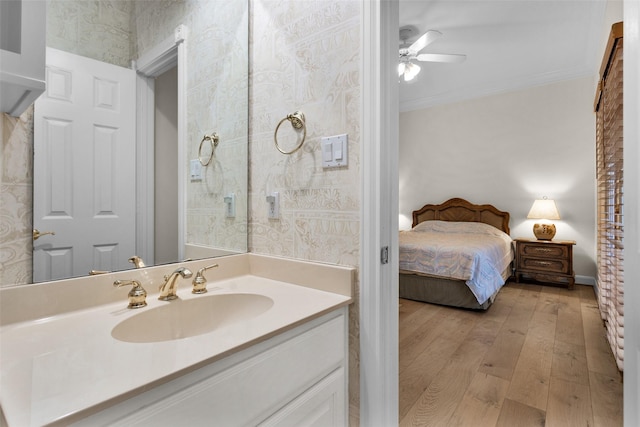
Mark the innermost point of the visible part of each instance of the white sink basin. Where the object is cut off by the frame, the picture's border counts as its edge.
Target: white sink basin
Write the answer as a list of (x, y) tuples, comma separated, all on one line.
[(179, 318)]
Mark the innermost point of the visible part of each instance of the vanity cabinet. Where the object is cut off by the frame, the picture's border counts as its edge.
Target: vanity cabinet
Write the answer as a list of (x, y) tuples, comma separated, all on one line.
[(22, 54), (297, 377)]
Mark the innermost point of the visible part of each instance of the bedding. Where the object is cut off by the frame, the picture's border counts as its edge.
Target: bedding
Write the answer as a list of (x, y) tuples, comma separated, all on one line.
[(474, 252)]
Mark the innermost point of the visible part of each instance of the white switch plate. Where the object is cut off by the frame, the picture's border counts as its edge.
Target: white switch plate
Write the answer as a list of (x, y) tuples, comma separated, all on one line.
[(196, 170), (335, 152)]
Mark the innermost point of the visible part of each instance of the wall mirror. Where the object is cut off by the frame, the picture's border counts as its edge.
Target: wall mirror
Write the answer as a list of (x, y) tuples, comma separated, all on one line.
[(177, 202)]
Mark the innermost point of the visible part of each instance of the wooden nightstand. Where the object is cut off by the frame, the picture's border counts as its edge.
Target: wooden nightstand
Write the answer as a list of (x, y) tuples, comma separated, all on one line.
[(545, 261)]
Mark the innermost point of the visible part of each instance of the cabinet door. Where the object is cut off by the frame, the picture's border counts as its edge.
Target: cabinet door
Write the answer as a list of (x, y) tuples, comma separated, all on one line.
[(22, 54)]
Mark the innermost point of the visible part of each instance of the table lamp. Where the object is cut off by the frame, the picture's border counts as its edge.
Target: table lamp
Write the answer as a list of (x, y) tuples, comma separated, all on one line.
[(544, 209)]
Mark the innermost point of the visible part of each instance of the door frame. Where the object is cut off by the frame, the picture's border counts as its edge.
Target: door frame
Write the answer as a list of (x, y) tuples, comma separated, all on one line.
[(162, 57), (379, 214)]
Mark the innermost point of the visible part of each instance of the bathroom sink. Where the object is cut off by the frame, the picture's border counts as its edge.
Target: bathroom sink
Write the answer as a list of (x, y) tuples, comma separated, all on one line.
[(188, 318)]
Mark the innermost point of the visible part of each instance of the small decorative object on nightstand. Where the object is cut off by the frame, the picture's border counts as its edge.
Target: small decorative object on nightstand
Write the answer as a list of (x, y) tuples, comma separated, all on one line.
[(545, 261)]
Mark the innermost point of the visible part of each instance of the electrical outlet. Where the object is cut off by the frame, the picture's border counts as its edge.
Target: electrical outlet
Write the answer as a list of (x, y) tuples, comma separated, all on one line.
[(230, 202), (196, 170), (273, 206)]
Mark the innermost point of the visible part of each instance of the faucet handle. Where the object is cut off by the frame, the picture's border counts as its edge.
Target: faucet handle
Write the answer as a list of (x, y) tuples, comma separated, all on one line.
[(137, 261), (200, 282), (96, 272), (137, 295)]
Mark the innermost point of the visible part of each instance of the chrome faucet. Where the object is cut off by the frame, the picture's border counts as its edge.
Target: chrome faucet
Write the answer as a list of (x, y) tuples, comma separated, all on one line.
[(168, 288)]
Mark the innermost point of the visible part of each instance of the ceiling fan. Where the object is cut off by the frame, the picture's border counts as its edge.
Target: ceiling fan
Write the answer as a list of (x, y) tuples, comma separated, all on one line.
[(410, 69)]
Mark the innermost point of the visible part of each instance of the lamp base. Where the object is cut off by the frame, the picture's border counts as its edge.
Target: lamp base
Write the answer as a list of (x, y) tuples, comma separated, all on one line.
[(544, 231)]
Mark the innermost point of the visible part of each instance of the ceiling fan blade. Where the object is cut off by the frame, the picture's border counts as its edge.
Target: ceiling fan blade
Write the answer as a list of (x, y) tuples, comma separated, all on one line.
[(441, 57), (424, 40)]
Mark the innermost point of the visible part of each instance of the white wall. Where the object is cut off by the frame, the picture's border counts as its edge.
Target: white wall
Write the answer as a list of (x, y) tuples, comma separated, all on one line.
[(508, 150)]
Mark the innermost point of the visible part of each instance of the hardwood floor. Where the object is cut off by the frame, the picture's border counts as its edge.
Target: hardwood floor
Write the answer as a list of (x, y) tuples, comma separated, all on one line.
[(537, 357)]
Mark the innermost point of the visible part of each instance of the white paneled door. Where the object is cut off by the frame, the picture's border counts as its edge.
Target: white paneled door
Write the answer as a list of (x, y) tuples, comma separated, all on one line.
[(84, 168)]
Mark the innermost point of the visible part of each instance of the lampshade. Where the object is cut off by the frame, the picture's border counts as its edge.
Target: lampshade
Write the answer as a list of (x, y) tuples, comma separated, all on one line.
[(544, 209)]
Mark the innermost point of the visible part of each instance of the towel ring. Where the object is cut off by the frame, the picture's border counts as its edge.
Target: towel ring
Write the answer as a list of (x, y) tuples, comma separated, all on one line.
[(297, 121), (213, 140)]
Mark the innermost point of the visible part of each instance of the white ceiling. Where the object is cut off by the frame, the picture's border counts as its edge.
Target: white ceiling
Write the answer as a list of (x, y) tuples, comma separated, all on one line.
[(510, 44)]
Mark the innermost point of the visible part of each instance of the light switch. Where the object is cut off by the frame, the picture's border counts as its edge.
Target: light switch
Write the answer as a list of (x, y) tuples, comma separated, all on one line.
[(334, 151), (327, 151)]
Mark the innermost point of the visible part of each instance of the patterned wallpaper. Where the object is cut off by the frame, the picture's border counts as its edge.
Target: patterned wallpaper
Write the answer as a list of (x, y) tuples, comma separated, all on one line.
[(97, 29), (305, 55), (217, 101), (16, 189)]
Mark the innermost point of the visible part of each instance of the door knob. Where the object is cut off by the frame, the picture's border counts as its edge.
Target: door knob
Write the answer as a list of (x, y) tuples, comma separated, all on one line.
[(37, 233)]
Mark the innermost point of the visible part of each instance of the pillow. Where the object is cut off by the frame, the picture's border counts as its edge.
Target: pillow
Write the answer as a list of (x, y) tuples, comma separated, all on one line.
[(458, 227)]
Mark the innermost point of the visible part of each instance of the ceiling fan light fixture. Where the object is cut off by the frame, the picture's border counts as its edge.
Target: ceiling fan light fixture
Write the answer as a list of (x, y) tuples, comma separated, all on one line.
[(411, 71), (407, 67), (401, 68)]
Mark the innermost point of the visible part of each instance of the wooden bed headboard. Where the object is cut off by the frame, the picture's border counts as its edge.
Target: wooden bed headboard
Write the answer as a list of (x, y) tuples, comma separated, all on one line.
[(463, 211)]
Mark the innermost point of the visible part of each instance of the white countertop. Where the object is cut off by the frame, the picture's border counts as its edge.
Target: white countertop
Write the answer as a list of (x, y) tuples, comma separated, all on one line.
[(58, 366)]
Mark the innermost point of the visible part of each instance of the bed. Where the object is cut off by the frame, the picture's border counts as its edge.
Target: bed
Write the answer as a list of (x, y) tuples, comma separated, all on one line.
[(457, 253)]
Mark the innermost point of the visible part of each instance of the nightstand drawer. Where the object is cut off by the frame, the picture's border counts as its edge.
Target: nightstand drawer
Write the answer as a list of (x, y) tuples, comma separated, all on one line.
[(544, 251), (546, 265)]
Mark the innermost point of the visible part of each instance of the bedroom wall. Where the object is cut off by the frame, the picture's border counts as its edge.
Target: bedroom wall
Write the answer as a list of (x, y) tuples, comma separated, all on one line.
[(508, 150)]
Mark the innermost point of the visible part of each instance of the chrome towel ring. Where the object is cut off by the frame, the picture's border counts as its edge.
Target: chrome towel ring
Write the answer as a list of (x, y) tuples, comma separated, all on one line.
[(297, 121), (213, 140)]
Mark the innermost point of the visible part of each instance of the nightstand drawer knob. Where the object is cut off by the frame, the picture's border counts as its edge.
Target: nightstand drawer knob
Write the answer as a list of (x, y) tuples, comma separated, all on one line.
[(543, 263)]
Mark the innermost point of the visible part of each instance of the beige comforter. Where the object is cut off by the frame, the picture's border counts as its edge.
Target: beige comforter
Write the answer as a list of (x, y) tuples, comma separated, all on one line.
[(474, 252)]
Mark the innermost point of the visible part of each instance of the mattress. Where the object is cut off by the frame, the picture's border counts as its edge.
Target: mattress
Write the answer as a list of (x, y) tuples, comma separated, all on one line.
[(473, 252)]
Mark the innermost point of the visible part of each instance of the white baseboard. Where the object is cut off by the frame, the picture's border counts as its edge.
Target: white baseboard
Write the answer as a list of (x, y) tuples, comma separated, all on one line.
[(586, 280)]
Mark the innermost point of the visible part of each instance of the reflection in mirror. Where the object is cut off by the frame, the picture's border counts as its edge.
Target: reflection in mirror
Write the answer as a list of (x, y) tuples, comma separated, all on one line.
[(201, 211)]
